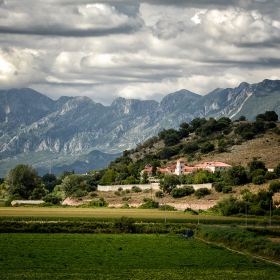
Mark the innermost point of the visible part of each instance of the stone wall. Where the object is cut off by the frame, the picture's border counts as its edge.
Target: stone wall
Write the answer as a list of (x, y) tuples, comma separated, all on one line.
[(154, 186)]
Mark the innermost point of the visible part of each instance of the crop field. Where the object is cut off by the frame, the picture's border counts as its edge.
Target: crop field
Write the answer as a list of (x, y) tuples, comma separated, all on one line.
[(34, 213), (123, 256)]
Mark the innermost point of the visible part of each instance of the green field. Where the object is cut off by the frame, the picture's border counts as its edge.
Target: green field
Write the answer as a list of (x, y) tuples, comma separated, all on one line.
[(123, 256), (104, 213)]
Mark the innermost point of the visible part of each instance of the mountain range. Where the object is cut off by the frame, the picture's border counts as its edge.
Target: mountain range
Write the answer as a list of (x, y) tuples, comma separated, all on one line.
[(78, 133)]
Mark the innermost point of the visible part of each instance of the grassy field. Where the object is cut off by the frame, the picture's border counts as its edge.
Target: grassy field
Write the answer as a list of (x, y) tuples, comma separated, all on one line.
[(81, 256)]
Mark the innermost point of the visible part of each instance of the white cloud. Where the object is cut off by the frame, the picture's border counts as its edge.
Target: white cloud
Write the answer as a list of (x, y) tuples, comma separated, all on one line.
[(105, 50)]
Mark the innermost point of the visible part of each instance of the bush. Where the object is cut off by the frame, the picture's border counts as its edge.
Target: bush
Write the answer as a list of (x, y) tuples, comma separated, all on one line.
[(227, 189), (136, 189), (98, 203), (190, 211), (79, 193), (181, 192), (159, 194), (93, 194), (126, 198), (51, 198), (190, 148), (125, 224), (120, 189), (207, 148), (149, 204), (274, 186), (117, 193), (202, 192), (167, 208), (125, 206), (258, 180), (270, 175), (219, 186)]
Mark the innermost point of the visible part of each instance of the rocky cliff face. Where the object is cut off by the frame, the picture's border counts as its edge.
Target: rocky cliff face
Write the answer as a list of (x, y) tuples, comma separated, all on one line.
[(36, 130)]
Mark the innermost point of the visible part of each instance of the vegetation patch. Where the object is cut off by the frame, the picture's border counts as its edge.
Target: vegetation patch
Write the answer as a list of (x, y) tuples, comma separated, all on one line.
[(123, 256)]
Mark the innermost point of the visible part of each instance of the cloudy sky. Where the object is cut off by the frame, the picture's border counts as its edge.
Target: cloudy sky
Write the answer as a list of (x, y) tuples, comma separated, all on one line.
[(137, 49)]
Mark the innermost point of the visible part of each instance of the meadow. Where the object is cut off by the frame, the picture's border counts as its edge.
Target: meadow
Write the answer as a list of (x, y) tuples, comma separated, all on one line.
[(123, 256)]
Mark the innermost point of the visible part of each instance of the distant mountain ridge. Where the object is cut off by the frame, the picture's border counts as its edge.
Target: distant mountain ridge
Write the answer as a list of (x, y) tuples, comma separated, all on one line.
[(36, 130)]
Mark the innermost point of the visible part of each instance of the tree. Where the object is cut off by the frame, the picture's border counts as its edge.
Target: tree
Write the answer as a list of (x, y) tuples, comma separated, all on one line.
[(108, 178), (181, 192), (190, 147), (230, 206), (169, 182), (235, 176), (145, 179), (277, 170), (256, 164), (70, 184), (202, 192), (242, 118), (171, 139), (207, 147), (274, 186), (50, 181), (222, 146), (271, 116), (23, 181)]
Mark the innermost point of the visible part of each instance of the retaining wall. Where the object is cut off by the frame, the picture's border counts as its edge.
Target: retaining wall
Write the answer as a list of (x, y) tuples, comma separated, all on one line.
[(154, 186)]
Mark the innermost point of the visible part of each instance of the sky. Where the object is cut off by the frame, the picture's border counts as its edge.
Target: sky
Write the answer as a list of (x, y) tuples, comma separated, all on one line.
[(137, 49)]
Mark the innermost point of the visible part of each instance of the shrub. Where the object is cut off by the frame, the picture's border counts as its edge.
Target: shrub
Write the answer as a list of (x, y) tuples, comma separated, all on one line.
[(270, 125), (93, 194), (190, 148), (257, 172), (79, 193), (120, 189), (136, 189), (277, 170), (227, 189), (149, 204), (274, 186), (125, 206), (51, 198), (230, 206), (159, 194), (117, 193), (181, 192), (126, 198), (190, 211), (167, 208), (125, 224), (207, 148), (270, 175), (98, 203), (258, 180), (202, 192), (219, 186)]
